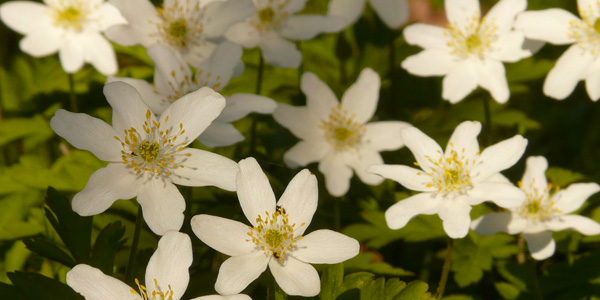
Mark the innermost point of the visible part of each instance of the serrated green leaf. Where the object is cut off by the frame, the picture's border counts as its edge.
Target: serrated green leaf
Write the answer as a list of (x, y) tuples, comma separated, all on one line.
[(10, 292), (108, 242), (393, 287), (331, 282), (36, 286), (415, 290), (357, 280), (365, 261), (49, 250)]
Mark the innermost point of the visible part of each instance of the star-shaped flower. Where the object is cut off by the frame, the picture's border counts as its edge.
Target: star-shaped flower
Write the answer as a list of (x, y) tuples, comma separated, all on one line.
[(146, 156), (470, 51), (173, 79), (273, 23), (73, 28), (545, 210), (275, 236), (188, 27), (393, 12), (581, 61), (338, 135), (167, 276), (453, 180)]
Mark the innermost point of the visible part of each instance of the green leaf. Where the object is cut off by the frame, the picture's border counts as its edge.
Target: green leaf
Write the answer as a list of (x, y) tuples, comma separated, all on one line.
[(507, 290), (416, 290), (10, 292), (366, 261), (331, 282), (74, 230), (49, 250), (562, 177), (108, 242), (17, 216), (34, 131), (36, 286)]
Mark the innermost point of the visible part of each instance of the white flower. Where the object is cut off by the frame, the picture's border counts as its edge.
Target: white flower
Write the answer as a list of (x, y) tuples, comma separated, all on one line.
[(173, 79), (273, 23), (186, 26), (167, 276), (453, 180), (582, 60), (470, 51), (393, 12), (146, 156), (73, 28), (275, 237), (338, 135), (544, 211)]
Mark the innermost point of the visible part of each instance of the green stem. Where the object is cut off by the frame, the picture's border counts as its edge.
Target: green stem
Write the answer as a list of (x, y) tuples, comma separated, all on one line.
[(259, 77), (445, 269), (275, 292), (337, 213), (301, 66), (72, 95), (488, 121), (537, 292), (134, 245)]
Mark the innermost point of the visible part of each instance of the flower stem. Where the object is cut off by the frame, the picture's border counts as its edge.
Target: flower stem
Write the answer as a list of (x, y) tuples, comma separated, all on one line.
[(259, 77), (72, 95), (337, 213), (445, 269), (134, 245), (488, 121), (537, 292)]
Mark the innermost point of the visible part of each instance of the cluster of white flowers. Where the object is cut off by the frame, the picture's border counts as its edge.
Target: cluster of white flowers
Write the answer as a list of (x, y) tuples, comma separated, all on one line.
[(147, 151)]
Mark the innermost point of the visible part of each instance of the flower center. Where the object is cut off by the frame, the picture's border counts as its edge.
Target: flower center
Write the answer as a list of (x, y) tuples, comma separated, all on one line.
[(474, 39), (181, 25), (451, 174), (271, 14), (539, 205), (157, 294), (274, 235), (587, 30), (153, 150), (69, 14), (340, 130), (266, 15)]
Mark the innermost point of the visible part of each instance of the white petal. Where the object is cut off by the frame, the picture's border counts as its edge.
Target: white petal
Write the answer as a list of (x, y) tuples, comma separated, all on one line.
[(216, 71), (128, 108), (296, 278), (592, 84), (108, 15), (305, 27), (425, 149), (219, 297), (503, 14), (238, 271), (243, 34), (71, 56), (299, 200), (383, 135), (299, 120), (571, 198), (195, 111), (105, 186), (582, 224), (498, 157), (393, 12), (141, 16), (325, 247), (420, 204), (220, 134), (240, 105), (294, 6), (306, 152), (202, 168), (550, 25), (162, 205), (510, 47), (455, 217), (99, 52), (493, 222), (427, 36), (460, 81), (25, 17), (169, 72), (197, 54), (219, 16), (570, 67), (337, 174), (361, 98), (360, 161), (152, 99), (280, 53), (464, 140), (169, 264), (92, 284), (226, 236), (429, 62), (320, 99), (87, 133), (408, 177), (43, 42), (350, 10), (540, 244), (534, 179), (254, 190), (504, 195), (461, 12)]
